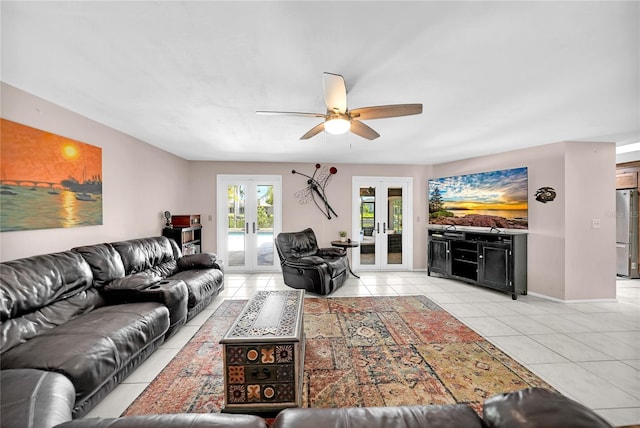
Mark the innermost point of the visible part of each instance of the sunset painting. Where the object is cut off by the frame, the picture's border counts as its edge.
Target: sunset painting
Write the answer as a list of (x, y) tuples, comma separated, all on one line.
[(486, 199), (47, 181)]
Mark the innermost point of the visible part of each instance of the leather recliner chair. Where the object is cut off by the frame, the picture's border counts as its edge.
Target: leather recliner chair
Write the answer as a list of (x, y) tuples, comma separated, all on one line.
[(305, 266)]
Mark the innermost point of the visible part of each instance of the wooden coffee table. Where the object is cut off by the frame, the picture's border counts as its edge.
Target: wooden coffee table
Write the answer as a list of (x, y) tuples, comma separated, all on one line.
[(263, 354)]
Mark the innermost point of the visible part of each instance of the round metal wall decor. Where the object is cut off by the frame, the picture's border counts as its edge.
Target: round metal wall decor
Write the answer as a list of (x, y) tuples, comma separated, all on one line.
[(545, 194)]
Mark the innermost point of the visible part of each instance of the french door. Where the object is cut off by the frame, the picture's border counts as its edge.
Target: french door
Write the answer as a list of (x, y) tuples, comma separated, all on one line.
[(249, 218), (381, 217)]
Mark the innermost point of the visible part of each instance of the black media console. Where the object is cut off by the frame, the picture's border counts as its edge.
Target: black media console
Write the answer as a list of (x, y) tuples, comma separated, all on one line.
[(496, 260)]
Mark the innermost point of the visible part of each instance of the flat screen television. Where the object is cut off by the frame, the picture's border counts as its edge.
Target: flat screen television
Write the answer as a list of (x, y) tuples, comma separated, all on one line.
[(486, 199)]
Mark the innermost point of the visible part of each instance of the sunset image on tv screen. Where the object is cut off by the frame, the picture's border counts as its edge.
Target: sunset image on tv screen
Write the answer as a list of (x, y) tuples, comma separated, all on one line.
[(487, 199)]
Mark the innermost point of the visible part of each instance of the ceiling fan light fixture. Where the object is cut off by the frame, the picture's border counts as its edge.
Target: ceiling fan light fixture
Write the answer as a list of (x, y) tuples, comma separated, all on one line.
[(337, 124)]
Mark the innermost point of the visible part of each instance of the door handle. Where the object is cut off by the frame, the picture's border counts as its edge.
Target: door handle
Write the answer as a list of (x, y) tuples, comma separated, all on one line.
[(246, 228), (254, 227), (377, 227), (384, 227)]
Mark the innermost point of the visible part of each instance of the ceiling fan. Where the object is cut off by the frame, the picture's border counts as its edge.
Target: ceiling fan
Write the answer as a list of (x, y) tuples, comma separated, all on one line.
[(339, 119)]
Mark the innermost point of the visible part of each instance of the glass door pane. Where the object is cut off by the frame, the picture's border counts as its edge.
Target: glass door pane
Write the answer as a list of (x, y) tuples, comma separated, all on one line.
[(265, 236), (368, 225), (394, 225), (236, 228), (380, 205), (249, 218)]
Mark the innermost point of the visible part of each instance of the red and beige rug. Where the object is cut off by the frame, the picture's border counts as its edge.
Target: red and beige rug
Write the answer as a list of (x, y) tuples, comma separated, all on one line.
[(360, 351)]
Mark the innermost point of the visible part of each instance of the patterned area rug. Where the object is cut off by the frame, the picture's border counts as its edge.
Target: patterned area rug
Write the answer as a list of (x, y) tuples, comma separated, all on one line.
[(360, 351)]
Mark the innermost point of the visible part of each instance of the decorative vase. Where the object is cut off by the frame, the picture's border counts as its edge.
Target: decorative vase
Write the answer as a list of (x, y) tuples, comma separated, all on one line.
[(343, 239)]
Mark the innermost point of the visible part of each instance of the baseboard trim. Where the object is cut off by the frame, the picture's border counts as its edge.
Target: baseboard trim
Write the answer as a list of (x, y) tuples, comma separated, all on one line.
[(555, 299)]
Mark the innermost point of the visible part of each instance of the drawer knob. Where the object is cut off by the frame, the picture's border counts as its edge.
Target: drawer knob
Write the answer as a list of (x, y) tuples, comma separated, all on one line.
[(266, 374)]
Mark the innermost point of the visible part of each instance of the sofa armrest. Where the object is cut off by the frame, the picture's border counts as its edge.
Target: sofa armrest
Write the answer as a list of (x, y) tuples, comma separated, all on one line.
[(332, 252), (307, 261), (35, 398), (133, 282), (200, 261), (538, 408), (149, 288)]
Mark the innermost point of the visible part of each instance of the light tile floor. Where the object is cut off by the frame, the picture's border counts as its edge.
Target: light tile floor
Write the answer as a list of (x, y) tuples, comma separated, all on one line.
[(588, 351)]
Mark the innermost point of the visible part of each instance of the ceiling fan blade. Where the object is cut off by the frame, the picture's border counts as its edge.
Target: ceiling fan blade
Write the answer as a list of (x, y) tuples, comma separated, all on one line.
[(381, 112), (363, 130), (335, 92), (313, 131), (289, 113)]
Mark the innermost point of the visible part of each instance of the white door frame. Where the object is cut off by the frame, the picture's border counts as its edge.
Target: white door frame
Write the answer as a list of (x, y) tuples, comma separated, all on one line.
[(223, 180), (407, 226)]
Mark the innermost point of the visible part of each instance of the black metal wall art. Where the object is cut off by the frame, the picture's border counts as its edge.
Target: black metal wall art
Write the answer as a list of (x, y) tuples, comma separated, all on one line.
[(315, 189), (545, 194)]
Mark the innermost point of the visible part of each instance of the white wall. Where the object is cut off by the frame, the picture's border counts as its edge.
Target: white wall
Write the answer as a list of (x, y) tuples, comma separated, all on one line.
[(139, 180), (567, 260), (298, 217), (590, 171)]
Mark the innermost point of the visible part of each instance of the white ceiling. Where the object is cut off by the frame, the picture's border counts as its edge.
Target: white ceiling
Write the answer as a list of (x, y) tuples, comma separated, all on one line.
[(188, 76)]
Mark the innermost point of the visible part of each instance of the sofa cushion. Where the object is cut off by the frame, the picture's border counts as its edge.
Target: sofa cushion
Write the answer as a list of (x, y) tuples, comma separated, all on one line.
[(154, 254), (433, 416), (34, 398), (201, 283), (41, 292), (137, 281), (92, 348), (105, 262), (538, 408)]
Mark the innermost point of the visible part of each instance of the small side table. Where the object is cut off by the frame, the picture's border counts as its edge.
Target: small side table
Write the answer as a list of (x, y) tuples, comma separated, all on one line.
[(346, 245)]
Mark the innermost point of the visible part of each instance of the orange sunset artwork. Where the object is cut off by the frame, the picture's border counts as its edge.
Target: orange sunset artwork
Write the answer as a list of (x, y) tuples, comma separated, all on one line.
[(47, 181)]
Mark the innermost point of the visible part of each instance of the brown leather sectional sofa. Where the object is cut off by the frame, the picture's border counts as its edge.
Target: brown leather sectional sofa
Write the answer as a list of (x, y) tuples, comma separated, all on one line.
[(53, 394), (94, 313), (527, 408), (74, 324)]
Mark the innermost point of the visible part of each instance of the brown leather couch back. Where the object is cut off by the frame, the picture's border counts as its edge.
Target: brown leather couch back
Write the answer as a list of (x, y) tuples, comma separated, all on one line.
[(106, 263), (41, 292), (148, 254), (431, 416)]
